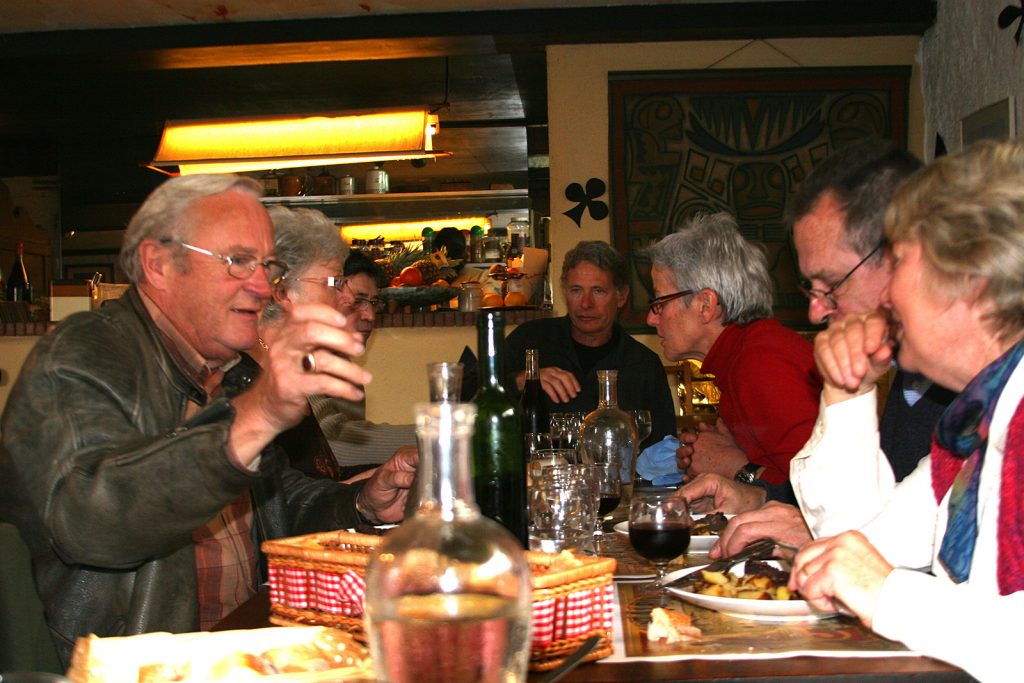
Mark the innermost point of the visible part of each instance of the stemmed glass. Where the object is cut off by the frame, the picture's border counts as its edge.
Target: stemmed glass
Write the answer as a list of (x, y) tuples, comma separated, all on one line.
[(565, 429), (659, 526)]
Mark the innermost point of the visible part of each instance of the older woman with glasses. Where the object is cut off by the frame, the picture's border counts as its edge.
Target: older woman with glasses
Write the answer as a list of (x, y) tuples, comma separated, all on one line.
[(954, 312), (713, 303), (309, 243)]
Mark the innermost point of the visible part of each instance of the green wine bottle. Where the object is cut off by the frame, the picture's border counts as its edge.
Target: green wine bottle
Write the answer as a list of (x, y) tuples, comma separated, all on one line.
[(499, 468)]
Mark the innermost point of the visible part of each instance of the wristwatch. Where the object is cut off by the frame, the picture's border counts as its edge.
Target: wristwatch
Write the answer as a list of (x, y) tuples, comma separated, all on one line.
[(747, 474)]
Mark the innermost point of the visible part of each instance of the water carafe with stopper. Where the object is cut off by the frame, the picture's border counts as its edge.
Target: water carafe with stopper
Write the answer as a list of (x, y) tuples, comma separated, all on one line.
[(448, 596), (609, 434)]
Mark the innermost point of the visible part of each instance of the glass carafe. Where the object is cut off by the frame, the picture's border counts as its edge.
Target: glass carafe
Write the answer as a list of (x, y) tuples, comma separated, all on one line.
[(448, 595), (609, 433)]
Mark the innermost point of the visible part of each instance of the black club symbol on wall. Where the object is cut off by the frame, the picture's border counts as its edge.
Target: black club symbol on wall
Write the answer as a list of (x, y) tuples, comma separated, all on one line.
[(1011, 14), (587, 199)]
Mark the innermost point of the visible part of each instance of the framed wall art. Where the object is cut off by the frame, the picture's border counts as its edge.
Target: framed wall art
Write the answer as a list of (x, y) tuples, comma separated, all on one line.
[(994, 122), (740, 141)]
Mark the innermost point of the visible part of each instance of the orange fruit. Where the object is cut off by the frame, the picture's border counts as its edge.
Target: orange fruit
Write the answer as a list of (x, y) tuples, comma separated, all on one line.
[(411, 276), (396, 281), (491, 300), (515, 299), (439, 283)]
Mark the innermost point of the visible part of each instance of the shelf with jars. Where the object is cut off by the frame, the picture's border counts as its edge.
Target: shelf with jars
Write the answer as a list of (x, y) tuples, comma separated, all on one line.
[(407, 205)]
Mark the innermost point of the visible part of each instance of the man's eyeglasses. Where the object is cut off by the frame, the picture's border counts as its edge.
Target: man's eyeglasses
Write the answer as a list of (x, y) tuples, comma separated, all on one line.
[(658, 303), (828, 296), (337, 283), (375, 305), (242, 266)]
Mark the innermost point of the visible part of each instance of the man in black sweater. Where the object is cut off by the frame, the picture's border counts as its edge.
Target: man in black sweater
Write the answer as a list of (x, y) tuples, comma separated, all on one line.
[(837, 214), (574, 347)]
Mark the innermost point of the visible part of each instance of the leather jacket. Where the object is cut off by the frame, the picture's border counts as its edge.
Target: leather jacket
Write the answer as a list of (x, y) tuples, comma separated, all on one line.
[(106, 483)]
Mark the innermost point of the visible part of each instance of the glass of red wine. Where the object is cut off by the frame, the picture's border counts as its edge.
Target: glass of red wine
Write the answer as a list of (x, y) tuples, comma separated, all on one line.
[(659, 526)]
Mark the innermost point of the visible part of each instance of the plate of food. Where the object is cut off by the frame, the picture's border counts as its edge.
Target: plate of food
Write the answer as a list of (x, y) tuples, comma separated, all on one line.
[(703, 534), (750, 590)]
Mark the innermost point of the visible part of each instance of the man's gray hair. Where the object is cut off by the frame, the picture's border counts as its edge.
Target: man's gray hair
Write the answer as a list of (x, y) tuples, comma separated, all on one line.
[(601, 255), (163, 215), (302, 239), (709, 252)]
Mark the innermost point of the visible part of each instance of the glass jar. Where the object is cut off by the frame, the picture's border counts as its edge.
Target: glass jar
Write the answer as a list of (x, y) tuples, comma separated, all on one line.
[(271, 183), (448, 594), (471, 297), (492, 247), (377, 180)]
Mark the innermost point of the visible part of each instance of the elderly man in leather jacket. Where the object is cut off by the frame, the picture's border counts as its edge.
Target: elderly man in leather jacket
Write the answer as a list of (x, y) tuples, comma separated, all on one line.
[(137, 457)]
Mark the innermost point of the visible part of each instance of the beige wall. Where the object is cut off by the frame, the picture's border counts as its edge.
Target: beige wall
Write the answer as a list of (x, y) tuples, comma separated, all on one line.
[(13, 351), (578, 105)]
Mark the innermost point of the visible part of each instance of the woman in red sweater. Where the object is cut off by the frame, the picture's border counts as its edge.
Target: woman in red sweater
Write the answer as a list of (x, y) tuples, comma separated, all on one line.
[(713, 302)]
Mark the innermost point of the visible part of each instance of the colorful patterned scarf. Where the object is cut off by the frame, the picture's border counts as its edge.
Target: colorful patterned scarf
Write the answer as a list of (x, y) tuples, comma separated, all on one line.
[(958, 453)]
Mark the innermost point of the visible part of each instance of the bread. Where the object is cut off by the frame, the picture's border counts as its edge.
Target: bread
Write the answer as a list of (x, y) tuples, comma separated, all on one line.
[(671, 627), (306, 653)]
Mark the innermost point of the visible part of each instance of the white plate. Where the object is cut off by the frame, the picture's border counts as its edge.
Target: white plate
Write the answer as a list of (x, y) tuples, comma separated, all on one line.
[(698, 544), (759, 610)]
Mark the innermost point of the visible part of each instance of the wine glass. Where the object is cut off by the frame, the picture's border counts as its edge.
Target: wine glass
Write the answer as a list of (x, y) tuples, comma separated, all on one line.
[(659, 526)]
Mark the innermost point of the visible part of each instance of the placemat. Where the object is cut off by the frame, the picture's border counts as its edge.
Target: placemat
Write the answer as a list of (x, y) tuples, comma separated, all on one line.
[(731, 637)]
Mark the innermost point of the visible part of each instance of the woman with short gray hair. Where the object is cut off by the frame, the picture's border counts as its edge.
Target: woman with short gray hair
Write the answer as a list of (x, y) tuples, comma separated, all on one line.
[(311, 246), (713, 303)]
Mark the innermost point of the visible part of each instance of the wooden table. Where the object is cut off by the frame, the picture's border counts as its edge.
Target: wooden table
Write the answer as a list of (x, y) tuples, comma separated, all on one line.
[(255, 612)]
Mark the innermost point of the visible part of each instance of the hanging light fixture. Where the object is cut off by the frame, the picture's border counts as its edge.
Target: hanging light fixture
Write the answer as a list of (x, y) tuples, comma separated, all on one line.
[(242, 145)]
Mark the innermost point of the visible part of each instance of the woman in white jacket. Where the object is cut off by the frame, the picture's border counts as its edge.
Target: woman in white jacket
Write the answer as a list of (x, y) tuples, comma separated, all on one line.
[(955, 312)]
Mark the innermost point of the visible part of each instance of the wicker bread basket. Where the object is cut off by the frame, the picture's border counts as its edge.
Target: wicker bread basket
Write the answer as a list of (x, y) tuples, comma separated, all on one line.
[(311, 577)]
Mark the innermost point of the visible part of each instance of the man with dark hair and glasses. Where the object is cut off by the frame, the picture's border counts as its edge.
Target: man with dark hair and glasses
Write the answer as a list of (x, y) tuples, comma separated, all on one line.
[(714, 304), (837, 216), (137, 457), (360, 445)]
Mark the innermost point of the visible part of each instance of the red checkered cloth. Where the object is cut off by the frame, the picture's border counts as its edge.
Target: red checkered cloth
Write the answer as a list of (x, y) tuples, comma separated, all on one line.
[(340, 593), (289, 586), (572, 615)]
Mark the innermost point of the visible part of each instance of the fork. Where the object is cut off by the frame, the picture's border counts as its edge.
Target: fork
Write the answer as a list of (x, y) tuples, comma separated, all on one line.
[(761, 549)]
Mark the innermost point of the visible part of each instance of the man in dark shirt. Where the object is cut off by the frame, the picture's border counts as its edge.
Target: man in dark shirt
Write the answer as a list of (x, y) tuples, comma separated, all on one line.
[(574, 347)]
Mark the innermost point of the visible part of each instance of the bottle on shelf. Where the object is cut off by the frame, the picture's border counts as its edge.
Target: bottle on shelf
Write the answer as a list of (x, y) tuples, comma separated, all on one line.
[(448, 595), (428, 240), (536, 419), (518, 237), (499, 465), (18, 286), (476, 244), (609, 434)]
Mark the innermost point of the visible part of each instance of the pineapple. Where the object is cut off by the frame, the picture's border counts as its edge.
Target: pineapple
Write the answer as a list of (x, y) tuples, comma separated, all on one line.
[(393, 264), (437, 267)]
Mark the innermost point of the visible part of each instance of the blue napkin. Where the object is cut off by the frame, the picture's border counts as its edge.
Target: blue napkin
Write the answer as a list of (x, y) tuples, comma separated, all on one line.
[(657, 463)]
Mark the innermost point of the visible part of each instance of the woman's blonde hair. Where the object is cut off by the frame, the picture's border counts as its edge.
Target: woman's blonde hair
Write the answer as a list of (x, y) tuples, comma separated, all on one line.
[(967, 211)]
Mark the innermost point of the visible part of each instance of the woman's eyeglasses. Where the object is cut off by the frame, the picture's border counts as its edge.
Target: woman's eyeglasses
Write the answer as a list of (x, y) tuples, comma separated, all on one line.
[(657, 304)]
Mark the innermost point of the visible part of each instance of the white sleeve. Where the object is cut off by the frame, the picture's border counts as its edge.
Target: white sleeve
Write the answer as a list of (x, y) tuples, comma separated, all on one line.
[(841, 477), (904, 528), (957, 623)]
